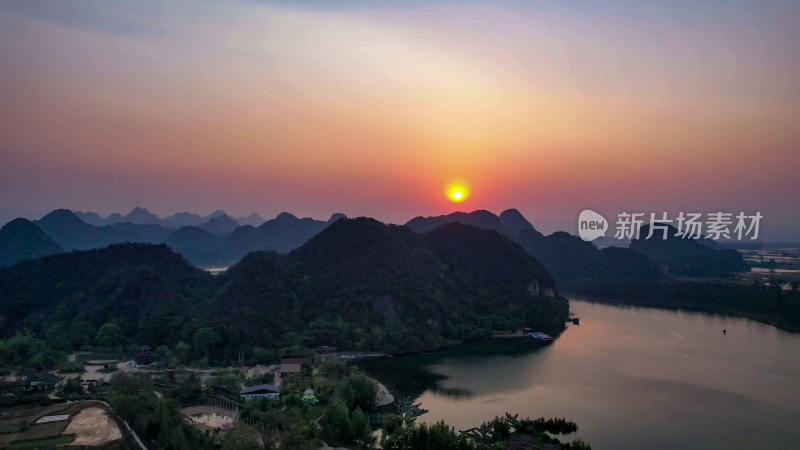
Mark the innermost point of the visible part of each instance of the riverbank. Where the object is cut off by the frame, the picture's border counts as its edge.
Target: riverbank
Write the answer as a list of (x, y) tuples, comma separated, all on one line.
[(766, 319), (767, 304), (630, 377)]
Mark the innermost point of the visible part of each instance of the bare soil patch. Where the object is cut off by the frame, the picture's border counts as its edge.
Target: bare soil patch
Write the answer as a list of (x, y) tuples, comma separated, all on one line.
[(92, 426)]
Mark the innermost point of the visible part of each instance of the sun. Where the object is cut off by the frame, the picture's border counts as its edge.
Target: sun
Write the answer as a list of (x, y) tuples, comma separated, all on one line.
[(457, 192)]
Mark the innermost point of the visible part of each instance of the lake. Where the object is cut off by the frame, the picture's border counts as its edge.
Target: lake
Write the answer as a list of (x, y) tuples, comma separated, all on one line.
[(629, 377)]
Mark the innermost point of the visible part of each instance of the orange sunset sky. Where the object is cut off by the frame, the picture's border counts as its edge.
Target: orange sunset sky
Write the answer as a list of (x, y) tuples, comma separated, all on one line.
[(374, 108)]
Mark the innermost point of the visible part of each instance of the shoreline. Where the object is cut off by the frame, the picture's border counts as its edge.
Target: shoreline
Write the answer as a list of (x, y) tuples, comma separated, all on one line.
[(765, 319)]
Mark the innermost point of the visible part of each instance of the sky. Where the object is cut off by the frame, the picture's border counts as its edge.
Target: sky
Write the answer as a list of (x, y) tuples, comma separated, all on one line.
[(376, 108)]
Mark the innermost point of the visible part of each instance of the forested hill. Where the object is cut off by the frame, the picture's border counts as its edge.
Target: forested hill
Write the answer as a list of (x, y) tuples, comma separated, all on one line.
[(359, 284), (566, 257), (22, 240), (121, 284)]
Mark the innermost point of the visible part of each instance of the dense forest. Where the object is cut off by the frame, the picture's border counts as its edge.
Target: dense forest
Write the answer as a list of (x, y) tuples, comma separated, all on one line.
[(360, 285)]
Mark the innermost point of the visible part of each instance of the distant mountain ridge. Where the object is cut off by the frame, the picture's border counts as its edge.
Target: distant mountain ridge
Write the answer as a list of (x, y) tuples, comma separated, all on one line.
[(220, 225), (142, 216), (219, 240), (199, 246), (479, 218), (687, 257), (216, 240), (282, 234), (71, 233), (565, 256)]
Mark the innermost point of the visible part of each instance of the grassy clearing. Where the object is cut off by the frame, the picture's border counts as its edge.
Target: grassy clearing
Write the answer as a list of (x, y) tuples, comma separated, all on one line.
[(46, 442)]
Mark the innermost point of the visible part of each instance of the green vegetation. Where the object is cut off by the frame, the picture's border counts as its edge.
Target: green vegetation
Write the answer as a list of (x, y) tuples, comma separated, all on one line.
[(364, 285), (402, 431), (57, 441), (71, 388), (343, 414), (25, 354), (159, 423), (359, 285)]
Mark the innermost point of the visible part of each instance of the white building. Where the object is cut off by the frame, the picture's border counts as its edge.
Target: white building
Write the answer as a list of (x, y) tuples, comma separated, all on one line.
[(262, 390)]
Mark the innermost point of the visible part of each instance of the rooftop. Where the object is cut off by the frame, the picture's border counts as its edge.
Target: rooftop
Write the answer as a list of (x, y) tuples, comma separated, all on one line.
[(257, 388), (296, 361)]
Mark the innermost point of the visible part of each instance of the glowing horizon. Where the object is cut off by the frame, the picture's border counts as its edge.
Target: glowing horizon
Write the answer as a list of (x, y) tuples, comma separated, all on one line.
[(313, 109)]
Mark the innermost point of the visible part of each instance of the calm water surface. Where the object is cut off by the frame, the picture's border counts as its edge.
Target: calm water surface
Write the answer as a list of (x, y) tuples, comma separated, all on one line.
[(629, 377)]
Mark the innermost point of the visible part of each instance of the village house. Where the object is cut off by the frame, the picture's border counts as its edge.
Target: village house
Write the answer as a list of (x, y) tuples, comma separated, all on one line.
[(293, 365), (145, 356), (42, 380)]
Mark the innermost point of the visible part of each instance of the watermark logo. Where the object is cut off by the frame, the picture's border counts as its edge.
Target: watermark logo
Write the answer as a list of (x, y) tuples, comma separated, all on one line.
[(717, 225), (591, 225)]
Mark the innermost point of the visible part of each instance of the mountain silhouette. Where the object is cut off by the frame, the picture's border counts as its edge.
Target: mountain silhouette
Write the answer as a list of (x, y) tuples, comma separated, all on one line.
[(221, 225), (152, 233), (359, 284), (687, 257), (91, 218), (22, 240), (480, 219), (253, 220), (141, 216), (513, 221), (71, 233), (199, 246), (565, 256), (282, 234), (423, 289), (215, 214), (182, 219)]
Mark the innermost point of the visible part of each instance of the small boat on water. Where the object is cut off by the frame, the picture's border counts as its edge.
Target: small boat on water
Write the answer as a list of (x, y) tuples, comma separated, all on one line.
[(541, 336)]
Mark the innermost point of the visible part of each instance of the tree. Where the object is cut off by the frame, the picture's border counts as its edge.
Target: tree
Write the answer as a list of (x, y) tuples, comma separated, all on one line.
[(183, 351), (264, 378), (502, 428), (125, 383), (483, 434), (334, 369), (230, 380), (72, 386), (265, 414), (22, 351), (339, 420), (408, 410), (163, 356), (240, 437), (358, 391), (294, 382), (188, 388), (578, 444), (360, 431), (109, 335), (204, 339)]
